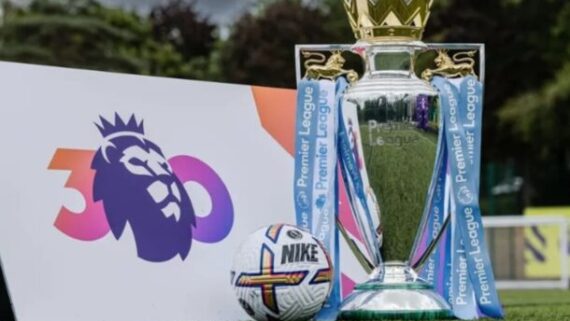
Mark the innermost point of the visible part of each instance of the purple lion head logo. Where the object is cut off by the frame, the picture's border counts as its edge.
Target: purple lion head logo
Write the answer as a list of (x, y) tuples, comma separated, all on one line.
[(137, 186)]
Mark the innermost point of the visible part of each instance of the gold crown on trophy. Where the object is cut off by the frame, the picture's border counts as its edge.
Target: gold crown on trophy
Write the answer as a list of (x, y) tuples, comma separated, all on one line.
[(383, 20)]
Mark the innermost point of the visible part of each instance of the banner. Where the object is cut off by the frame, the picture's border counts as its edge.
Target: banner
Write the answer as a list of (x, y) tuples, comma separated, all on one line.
[(542, 244), (71, 138)]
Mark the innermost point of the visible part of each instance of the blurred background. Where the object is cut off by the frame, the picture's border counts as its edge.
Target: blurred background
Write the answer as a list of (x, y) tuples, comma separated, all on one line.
[(526, 149), (527, 140)]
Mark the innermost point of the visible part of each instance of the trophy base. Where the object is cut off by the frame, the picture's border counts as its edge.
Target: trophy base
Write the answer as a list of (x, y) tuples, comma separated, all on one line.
[(394, 292)]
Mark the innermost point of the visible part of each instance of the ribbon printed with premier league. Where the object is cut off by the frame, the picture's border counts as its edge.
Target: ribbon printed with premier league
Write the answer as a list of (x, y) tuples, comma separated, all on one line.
[(315, 186), (450, 243)]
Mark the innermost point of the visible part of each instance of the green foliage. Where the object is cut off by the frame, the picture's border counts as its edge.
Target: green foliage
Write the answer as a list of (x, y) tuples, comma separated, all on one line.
[(85, 34), (261, 46), (179, 24), (336, 22), (544, 108), (545, 113), (537, 118)]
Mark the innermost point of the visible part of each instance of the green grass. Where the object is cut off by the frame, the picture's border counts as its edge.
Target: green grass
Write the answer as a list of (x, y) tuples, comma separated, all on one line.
[(536, 305), (400, 163)]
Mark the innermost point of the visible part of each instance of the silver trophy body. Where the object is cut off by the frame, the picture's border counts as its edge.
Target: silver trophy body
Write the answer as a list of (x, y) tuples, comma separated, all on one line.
[(398, 124)]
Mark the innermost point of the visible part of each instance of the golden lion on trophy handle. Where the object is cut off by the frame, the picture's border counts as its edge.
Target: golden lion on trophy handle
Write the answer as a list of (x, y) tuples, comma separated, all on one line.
[(331, 70), (461, 65)]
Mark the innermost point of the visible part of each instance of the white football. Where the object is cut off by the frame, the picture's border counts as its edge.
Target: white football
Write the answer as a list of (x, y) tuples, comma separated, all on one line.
[(281, 273)]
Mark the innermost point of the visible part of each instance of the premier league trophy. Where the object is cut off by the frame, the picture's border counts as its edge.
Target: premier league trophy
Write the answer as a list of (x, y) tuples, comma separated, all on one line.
[(409, 154), (397, 119)]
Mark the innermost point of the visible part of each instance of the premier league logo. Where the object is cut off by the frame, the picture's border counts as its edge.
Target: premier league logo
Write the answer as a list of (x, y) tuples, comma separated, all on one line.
[(136, 185), (128, 182)]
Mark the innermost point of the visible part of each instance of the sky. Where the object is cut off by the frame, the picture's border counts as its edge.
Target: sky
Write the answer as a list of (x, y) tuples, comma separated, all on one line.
[(220, 12)]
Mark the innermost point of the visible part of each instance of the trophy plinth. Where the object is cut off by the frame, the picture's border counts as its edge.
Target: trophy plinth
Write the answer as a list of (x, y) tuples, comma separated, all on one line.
[(394, 292)]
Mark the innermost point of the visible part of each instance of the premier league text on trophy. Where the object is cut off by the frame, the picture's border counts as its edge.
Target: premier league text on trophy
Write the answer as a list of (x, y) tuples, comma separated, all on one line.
[(381, 134), (318, 180)]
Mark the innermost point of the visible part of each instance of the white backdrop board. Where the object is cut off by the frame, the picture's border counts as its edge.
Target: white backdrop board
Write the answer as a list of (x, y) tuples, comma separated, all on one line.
[(225, 155)]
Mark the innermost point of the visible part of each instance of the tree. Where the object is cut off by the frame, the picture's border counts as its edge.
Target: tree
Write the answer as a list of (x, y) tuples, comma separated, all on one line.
[(526, 85), (179, 24), (260, 49), (539, 119), (336, 22), (85, 34)]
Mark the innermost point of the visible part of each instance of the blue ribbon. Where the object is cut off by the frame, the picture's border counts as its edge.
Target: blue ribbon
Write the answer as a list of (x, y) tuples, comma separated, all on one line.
[(471, 94), (459, 268), (467, 227), (305, 142), (316, 182)]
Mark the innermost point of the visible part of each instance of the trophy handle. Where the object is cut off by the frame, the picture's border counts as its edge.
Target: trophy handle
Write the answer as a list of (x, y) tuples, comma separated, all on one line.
[(461, 64), (461, 61), (317, 66)]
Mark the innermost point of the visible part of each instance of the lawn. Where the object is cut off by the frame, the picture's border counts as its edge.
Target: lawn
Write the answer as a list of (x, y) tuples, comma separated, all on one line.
[(528, 305), (536, 305)]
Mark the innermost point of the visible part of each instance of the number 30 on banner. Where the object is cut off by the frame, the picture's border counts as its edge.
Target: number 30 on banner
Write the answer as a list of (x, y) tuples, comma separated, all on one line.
[(91, 224)]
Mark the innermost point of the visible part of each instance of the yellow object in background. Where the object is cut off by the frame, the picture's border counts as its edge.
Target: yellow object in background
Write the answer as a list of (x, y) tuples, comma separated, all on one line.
[(542, 244)]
